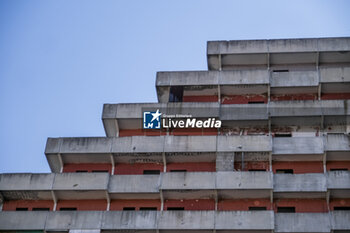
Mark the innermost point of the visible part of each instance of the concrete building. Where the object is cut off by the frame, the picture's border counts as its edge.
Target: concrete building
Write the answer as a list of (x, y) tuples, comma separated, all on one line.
[(279, 162)]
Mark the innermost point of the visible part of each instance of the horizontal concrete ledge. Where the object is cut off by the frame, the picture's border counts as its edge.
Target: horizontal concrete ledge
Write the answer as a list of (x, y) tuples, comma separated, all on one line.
[(139, 220), (175, 220), (159, 144), (136, 183), (213, 78), (214, 109), (279, 45)]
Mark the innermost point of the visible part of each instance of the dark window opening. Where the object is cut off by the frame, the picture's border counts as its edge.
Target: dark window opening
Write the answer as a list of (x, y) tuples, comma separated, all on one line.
[(176, 208), (285, 209), (41, 209), (178, 170), (257, 170), (81, 171), (151, 172), (149, 208), (254, 208), (176, 94), (341, 208), (279, 71), (21, 209), (68, 209), (100, 171), (285, 171), (256, 102), (283, 135), (339, 169), (129, 208)]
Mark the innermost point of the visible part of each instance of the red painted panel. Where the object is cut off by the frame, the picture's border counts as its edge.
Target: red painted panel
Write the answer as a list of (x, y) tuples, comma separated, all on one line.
[(83, 204), (243, 99), (192, 167), (141, 132), (303, 205), (339, 203), (293, 97), (193, 132), (120, 204), (243, 204), (89, 167), (203, 98), (338, 165), (201, 204), (11, 205), (335, 96), (136, 168), (251, 165), (299, 167)]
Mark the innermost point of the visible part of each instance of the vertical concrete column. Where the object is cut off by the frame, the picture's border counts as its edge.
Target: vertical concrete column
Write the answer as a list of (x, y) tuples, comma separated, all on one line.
[(112, 163), (225, 161)]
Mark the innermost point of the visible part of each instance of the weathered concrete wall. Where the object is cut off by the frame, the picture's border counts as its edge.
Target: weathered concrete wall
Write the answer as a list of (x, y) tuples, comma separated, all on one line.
[(278, 46), (298, 145), (175, 220), (340, 220), (244, 180), (302, 222), (244, 220), (310, 182), (294, 79), (184, 180), (338, 180), (134, 184)]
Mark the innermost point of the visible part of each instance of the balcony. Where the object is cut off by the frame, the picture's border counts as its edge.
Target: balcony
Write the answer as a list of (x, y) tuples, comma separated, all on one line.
[(310, 185), (338, 183), (137, 220), (235, 185), (298, 149), (302, 222), (228, 55)]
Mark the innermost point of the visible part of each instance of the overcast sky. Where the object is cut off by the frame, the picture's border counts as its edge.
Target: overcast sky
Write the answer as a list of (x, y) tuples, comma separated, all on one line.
[(61, 60)]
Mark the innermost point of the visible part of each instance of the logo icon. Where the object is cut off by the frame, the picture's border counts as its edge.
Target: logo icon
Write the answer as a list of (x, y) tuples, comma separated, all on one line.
[(151, 120)]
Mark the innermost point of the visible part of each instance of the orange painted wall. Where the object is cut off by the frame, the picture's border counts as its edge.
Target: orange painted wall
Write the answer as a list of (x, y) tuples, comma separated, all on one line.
[(299, 167), (11, 205), (83, 204), (192, 167), (293, 97), (120, 204), (339, 203), (89, 167), (335, 96), (201, 204), (303, 205), (203, 98), (252, 165), (136, 168), (242, 99), (338, 165), (243, 204)]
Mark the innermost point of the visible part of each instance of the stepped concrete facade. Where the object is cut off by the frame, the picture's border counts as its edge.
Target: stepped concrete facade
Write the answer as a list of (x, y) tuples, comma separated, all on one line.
[(278, 162)]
